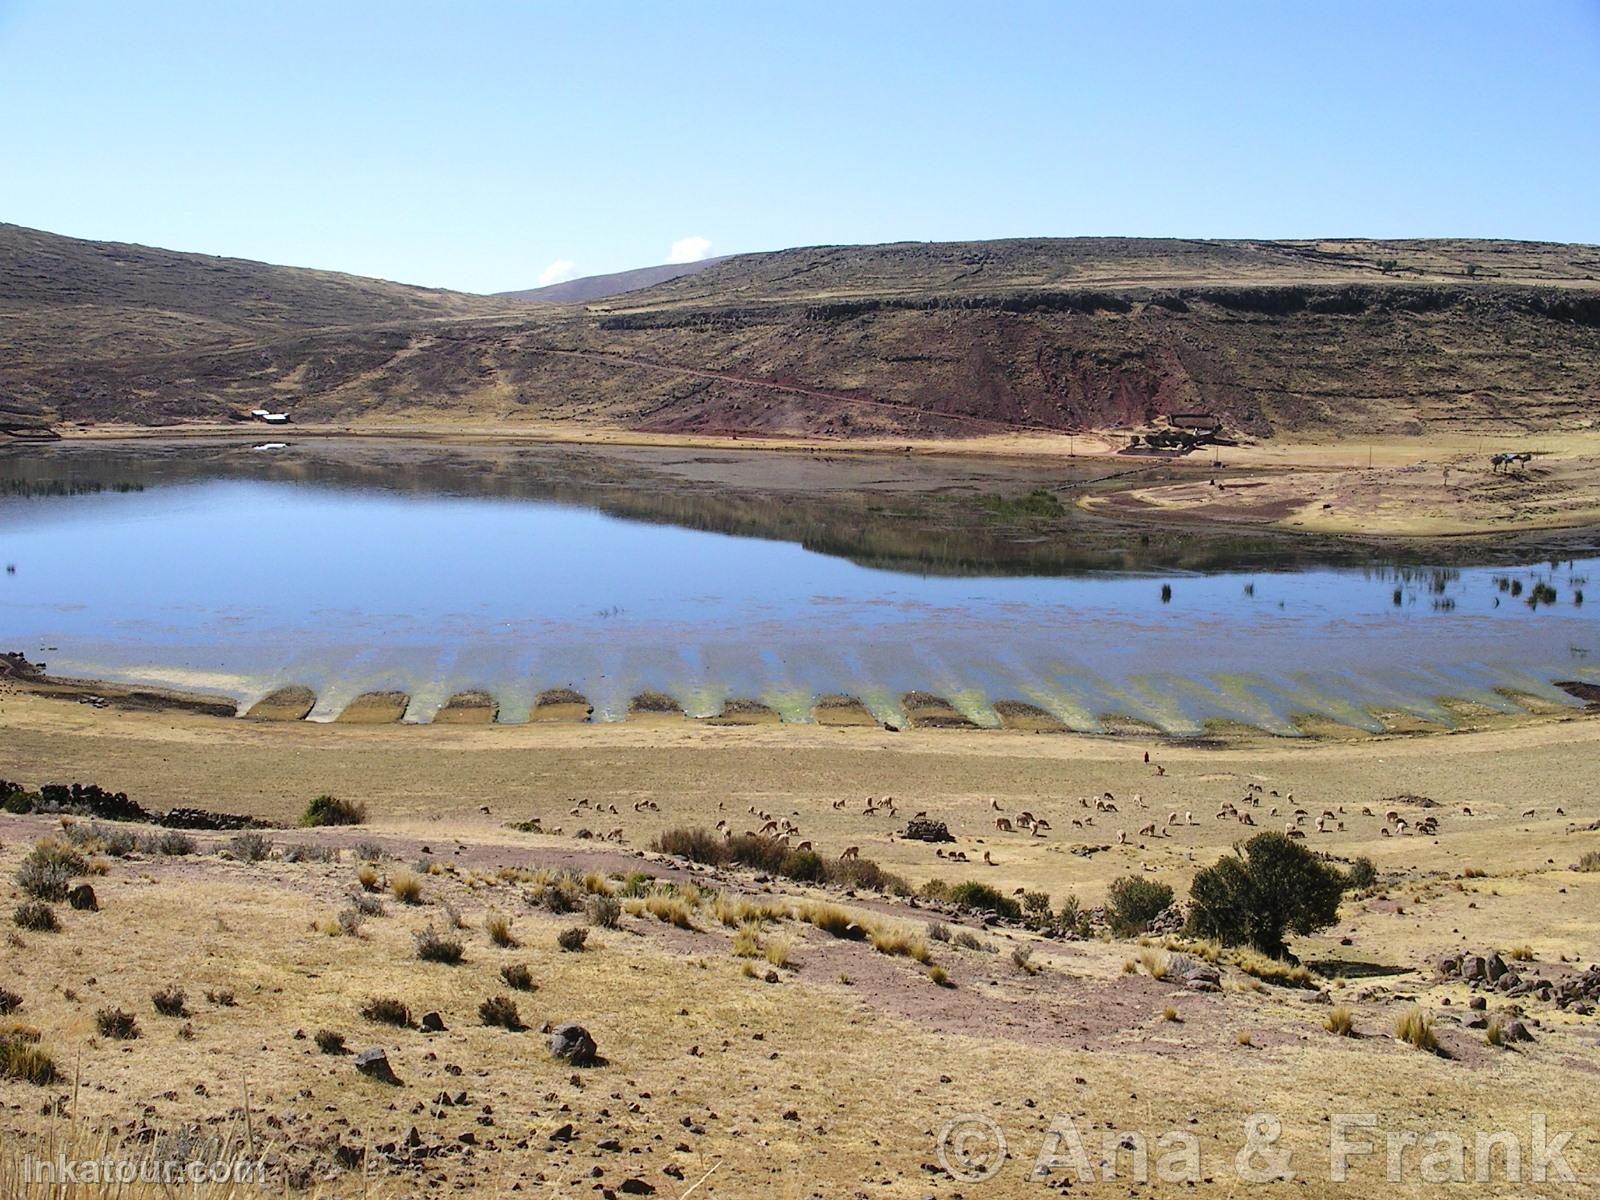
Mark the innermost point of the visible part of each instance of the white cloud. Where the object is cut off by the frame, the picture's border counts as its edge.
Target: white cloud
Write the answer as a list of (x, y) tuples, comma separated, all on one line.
[(689, 249), (559, 271)]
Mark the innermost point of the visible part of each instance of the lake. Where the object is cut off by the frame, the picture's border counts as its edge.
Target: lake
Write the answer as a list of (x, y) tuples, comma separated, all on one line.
[(221, 568)]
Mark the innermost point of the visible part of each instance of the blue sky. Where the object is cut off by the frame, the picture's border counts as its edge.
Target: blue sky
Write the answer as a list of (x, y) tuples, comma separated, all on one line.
[(482, 145)]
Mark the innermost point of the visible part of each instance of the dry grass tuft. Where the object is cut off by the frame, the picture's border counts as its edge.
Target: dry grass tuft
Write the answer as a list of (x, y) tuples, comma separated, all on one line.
[(1415, 1028), (498, 926), (1340, 1021), (900, 942), (940, 976), (406, 887)]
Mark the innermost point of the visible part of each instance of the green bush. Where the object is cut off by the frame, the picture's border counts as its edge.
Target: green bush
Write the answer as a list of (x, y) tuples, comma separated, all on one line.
[(1361, 875), (1276, 884), (1133, 901), (329, 810), (980, 897)]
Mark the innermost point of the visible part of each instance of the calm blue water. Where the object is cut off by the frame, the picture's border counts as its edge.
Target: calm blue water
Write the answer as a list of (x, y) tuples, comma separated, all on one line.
[(238, 586)]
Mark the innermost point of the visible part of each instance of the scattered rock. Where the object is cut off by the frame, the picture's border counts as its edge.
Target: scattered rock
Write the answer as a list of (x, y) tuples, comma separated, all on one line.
[(374, 1064), (925, 829), (573, 1043), (82, 897), (432, 1022)]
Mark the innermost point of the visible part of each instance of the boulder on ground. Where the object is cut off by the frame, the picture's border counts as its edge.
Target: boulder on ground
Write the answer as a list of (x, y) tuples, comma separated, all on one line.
[(82, 897), (374, 1064), (573, 1043)]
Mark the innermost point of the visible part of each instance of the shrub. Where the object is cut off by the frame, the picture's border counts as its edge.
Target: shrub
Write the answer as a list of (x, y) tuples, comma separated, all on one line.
[(1495, 1032), (940, 976), (433, 946), (697, 845), (367, 906), (22, 1060), (1361, 875), (1276, 884), (1071, 918), (367, 876), (1590, 861), (980, 897), (386, 1011), (498, 927), (172, 843), (1133, 902), (170, 1001), (35, 916), (318, 854), (604, 911), (1523, 953), (1416, 1028), (43, 880), (250, 847), (327, 810), (557, 897), (501, 1011), (517, 976), (1036, 908), (1022, 959), (116, 1023), (967, 940), (350, 921), (9, 1002), (1340, 1021), (407, 887), (573, 939), (804, 866), (938, 931), (328, 1041), (772, 856), (221, 997)]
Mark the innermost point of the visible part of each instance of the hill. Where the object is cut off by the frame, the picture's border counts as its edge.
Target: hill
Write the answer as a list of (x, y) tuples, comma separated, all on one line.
[(1322, 339), (598, 287)]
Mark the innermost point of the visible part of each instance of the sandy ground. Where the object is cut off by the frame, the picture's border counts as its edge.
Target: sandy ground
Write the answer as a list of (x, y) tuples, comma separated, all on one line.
[(778, 1088)]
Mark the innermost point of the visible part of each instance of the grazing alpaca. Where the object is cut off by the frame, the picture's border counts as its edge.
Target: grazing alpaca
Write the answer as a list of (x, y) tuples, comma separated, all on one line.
[(850, 853), (1148, 830), (987, 859), (1003, 824)]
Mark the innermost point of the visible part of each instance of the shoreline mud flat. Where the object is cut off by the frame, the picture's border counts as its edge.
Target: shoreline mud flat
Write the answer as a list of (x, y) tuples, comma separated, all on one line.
[(479, 710)]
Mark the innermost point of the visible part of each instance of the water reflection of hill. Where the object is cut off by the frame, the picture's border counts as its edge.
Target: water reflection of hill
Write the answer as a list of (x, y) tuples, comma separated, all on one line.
[(935, 517)]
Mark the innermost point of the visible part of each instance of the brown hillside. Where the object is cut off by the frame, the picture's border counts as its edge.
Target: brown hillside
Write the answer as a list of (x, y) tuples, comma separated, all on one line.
[(1311, 338)]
